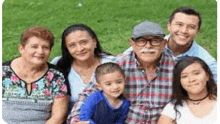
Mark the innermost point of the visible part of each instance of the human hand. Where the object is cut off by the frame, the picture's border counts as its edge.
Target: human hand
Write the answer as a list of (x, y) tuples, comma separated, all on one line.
[(82, 122)]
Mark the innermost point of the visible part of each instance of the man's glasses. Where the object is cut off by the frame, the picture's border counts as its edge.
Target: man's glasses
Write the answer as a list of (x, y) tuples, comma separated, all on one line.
[(155, 41)]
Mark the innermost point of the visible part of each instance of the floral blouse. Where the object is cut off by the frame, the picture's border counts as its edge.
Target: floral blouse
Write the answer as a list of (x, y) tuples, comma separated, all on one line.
[(34, 107)]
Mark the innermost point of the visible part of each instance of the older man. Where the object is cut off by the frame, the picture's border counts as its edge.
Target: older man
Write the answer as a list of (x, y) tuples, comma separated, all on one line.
[(148, 72)]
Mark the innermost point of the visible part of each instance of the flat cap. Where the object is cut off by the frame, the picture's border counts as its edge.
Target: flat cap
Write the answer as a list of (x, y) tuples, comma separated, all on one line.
[(147, 28)]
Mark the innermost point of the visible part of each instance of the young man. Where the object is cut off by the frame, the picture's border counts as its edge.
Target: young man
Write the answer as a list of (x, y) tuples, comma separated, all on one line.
[(148, 73), (184, 25)]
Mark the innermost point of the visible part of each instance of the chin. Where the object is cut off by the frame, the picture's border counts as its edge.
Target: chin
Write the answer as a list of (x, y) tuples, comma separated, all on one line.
[(182, 43)]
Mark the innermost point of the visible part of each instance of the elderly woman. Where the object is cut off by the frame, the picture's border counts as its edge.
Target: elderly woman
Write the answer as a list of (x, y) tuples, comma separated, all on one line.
[(34, 91), (81, 54), (194, 99)]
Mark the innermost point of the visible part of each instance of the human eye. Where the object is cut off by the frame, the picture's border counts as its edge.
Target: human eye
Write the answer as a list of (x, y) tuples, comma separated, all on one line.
[(46, 47), (156, 41), (34, 46), (184, 76), (71, 45), (140, 41), (196, 72), (192, 27), (107, 83), (119, 82), (84, 42), (179, 24)]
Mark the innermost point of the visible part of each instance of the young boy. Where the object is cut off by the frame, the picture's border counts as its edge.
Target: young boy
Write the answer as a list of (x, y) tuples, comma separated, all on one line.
[(107, 106)]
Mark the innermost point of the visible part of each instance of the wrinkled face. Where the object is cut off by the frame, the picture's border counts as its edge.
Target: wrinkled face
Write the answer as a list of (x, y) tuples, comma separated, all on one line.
[(36, 51), (112, 84), (183, 29), (194, 79), (147, 53), (80, 45)]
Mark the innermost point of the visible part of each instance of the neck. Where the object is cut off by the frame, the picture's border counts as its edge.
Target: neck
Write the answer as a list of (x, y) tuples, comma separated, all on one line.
[(197, 96), (31, 68), (114, 102), (149, 66), (86, 64), (177, 49)]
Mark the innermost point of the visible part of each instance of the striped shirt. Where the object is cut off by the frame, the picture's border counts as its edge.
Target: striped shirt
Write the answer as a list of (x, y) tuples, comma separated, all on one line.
[(147, 97)]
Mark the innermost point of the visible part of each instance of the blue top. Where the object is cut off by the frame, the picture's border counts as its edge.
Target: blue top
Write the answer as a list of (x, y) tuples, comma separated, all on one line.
[(97, 110), (195, 50), (76, 82)]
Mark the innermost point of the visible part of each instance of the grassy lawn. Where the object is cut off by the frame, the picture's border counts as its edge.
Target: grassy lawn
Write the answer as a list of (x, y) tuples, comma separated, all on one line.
[(112, 20)]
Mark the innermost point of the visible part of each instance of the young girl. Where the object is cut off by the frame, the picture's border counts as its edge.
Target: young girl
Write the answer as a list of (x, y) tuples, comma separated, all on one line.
[(194, 99)]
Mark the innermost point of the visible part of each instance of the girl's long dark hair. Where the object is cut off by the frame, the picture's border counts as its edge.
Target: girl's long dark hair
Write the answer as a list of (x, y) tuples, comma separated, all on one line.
[(66, 60), (180, 94)]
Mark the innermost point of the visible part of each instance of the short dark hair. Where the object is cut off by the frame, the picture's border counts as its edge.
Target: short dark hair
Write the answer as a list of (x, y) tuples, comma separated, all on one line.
[(188, 11), (180, 94), (37, 31), (107, 68)]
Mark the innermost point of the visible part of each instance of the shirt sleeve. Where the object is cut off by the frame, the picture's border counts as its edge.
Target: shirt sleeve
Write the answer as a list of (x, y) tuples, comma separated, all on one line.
[(169, 111), (88, 109), (125, 112), (75, 112), (60, 87), (213, 67), (55, 60)]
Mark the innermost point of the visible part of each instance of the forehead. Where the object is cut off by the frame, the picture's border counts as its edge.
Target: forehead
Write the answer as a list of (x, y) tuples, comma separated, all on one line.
[(193, 67), (114, 75), (185, 18), (77, 35), (37, 40)]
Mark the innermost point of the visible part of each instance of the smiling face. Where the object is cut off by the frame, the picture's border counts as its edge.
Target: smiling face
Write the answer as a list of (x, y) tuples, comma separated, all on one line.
[(80, 45), (148, 53), (183, 29), (112, 84), (36, 51), (194, 79)]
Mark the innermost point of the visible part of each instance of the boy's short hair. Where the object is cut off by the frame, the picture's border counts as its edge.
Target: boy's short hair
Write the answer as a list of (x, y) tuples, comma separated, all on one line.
[(107, 68)]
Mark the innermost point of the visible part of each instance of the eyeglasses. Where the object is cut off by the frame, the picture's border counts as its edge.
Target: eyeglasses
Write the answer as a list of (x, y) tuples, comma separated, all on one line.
[(155, 41)]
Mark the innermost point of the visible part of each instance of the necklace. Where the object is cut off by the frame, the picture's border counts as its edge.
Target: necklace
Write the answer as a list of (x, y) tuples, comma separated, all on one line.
[(198, 101)]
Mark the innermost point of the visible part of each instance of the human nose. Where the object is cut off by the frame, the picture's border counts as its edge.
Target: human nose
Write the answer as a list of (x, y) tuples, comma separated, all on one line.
[(184, 29), (79, 47), (40, 50), (115, 86), (191, 79)]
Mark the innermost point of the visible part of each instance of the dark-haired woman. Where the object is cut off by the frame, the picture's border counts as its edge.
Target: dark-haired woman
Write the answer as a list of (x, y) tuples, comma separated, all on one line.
[(194, 99), (81, 54)]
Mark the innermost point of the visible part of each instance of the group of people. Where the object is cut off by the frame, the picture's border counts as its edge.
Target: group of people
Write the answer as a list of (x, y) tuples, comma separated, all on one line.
[(170, 79)]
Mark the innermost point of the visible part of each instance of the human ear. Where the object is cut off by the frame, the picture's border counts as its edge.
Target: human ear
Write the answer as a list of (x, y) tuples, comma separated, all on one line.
[(20, 48), (131, 42), (168, 26), (98, 86)]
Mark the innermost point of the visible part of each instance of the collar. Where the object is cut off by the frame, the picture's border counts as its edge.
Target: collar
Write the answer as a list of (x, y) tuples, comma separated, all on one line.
[(189, 52)]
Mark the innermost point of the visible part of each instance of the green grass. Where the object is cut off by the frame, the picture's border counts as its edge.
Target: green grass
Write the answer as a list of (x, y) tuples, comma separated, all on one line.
[(112, 20)]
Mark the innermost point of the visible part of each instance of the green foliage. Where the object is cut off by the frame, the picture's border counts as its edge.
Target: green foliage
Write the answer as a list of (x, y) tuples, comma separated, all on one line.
[(112, 20)]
